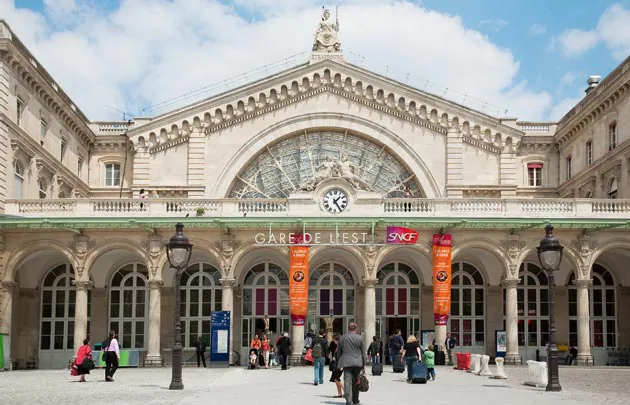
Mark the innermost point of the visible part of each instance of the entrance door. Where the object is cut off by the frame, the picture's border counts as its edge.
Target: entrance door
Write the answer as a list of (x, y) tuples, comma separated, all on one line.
[(393, 324)]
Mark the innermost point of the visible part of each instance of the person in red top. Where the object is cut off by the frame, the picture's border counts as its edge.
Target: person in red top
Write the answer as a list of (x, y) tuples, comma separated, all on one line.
[(83, 353), (265, 350)]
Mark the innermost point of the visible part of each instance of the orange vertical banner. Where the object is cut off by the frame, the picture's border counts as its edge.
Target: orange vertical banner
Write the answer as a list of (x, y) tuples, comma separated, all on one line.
[(442, 249), (298, 282)]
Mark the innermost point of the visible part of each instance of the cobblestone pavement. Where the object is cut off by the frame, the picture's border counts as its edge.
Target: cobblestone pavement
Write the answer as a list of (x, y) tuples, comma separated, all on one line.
[(150, 386)]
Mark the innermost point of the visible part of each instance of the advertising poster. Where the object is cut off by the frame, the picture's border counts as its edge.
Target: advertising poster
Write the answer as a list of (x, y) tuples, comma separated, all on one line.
[(220, 338), (298, 283), (501, 337), (442, 247)]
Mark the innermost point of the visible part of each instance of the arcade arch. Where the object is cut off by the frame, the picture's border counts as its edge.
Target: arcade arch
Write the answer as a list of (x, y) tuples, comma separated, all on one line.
[(468, 307), (331, 292), (128, 305), (398, 300)]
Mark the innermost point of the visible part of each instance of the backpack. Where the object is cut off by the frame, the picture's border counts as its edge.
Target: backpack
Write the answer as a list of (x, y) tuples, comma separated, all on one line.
[(318, 350)]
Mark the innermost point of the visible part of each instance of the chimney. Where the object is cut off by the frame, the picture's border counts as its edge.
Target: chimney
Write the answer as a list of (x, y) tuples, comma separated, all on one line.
[(592, 82)]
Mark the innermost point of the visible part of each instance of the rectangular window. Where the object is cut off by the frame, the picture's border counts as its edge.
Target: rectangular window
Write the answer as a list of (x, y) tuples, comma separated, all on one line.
[(43, 127), (79, 166), (534, 174), (64, 147), (612, 136), (112, 175), (18, 109), (589, 153), (568, 167)]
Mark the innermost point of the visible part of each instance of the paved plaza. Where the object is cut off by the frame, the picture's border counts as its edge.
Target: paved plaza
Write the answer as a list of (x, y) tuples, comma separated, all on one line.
[(262, 387)]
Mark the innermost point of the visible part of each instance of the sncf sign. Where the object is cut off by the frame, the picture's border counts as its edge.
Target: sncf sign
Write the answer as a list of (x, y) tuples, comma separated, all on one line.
[(398, 235)]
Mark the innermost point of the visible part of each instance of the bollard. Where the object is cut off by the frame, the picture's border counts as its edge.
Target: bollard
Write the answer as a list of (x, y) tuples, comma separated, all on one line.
[(485, 369), (475, 365), (537, 354), (500, 373), (536, 373)]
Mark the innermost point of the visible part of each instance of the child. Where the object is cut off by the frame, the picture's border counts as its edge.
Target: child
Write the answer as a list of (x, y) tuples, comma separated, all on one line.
[(273, 361), (428, 357), (253, 359)]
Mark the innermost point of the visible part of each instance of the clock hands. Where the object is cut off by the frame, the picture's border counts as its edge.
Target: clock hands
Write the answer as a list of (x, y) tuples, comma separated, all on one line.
[(335, 202)]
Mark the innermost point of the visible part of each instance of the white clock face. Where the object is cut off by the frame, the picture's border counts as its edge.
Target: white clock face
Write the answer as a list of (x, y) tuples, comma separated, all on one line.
[(335, 201)]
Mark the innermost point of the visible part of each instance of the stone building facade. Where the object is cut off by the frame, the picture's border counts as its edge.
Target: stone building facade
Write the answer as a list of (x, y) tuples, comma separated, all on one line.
[(324, 147)]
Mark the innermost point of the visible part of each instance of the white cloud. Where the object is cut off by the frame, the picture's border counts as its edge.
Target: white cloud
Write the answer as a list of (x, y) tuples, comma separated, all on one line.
[(563, 107), (537, 29), (495, 24), (148, 51), (613, 30), (568, 78)]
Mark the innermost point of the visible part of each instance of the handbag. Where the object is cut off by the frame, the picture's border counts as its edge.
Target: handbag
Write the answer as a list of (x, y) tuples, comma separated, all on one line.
[(362, 382), (332, 366), (88, 364)]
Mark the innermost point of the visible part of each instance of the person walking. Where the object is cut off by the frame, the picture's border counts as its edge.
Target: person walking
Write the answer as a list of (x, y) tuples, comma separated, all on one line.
[(396, 344), (284, 347), (200, 349), (83, 362), (351, 360), (335, 376), (411, 352), (320, 351), (449, 344), (375, 349), (266, 343), (112, 356)]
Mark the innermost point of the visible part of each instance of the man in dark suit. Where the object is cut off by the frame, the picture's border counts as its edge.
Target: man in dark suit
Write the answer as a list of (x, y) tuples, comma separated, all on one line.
[(200, 349), (351, 359), (283, 345)]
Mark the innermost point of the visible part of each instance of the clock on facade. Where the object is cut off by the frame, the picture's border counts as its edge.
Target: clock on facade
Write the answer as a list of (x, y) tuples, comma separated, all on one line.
[(335, 201)]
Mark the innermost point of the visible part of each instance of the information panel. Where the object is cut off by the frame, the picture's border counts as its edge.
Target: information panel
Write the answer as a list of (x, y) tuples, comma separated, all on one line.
[(220, 339)]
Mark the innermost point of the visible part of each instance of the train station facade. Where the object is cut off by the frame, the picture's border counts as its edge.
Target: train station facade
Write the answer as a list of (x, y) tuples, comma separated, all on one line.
[(327, 149)]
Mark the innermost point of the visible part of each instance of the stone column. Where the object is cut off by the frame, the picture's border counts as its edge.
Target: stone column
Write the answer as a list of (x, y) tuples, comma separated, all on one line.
[(81, 312), (297, 343), (583, 323), (227, 304), (6, 307), (511, 321), (154, 356), (369, 312)]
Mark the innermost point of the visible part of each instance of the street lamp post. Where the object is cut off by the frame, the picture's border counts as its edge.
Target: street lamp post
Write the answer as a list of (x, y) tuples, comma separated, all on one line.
[(550, 257), (178, 252)]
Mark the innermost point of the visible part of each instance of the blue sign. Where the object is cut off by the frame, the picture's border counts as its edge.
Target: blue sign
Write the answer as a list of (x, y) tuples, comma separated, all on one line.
[(220, 337), (501, 341)]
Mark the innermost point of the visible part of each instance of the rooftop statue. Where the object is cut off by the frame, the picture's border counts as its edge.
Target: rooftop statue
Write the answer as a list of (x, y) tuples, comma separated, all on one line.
[(327, 34)]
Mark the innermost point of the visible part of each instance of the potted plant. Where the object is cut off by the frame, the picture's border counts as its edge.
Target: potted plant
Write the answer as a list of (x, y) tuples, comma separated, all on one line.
[(201, 211)]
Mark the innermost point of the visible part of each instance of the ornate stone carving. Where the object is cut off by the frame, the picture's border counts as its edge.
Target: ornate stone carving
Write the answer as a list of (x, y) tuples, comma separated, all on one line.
[(513, 246), (82, 285), (327, 34), (154, 245), (155, 284), (584, 245), (82, 245), (343, 169), (583, 283), (228, 282), (510, 282), (369, 282), (7, 285)]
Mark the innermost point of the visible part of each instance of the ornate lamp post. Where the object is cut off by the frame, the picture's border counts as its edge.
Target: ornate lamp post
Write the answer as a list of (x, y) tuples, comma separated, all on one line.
[(550, 257), (178, 252)]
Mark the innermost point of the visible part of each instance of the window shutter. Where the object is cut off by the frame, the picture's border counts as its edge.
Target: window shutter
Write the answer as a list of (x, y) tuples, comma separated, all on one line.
[(534, 165)]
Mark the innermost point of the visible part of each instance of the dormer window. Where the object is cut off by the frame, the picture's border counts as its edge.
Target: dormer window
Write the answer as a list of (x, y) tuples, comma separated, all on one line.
[(534, 174), (612, 135)]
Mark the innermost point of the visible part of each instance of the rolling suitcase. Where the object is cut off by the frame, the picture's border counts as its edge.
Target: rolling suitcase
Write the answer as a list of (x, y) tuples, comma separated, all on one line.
[(419, 373), (377, 368), (398, 366)]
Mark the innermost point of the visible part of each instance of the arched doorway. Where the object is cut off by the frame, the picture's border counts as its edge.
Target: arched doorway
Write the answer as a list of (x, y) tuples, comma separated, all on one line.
[(397, 301), (331, 293), (467, 319), (265, 299), (533, 310), (602, 309), (200, 295), (56, 337), (128, 305)]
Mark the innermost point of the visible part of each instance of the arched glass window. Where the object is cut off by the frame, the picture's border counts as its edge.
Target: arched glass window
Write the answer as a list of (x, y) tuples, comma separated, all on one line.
[(265, 293), (57, 316), (467, 318), (603, 309), (533, 306), (397, 295), (42, 185), (18, 180), (331, 291), (200, 295), (128, 300)]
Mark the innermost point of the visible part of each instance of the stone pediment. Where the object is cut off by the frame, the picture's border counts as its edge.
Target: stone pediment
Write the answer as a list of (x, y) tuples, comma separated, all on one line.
[(340, 79)]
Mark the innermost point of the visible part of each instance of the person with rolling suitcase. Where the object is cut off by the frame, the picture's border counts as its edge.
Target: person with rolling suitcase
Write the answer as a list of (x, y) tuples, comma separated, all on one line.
[(411, 353), (374, 352), (395, 347)]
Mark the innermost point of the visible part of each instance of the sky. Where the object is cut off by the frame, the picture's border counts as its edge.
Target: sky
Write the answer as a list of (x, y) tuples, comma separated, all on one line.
[(524, 59)]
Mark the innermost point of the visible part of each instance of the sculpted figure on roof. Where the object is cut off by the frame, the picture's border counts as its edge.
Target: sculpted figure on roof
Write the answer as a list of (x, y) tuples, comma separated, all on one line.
[(327, 35)]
